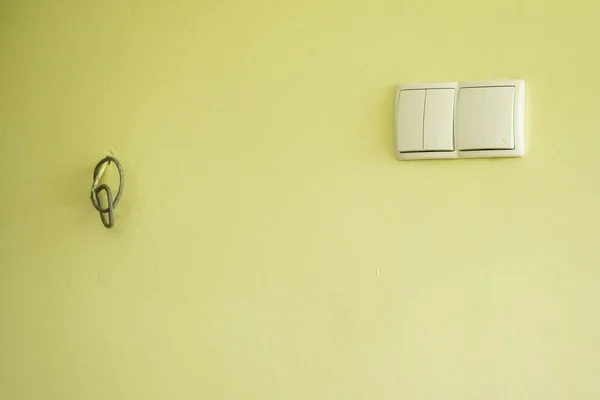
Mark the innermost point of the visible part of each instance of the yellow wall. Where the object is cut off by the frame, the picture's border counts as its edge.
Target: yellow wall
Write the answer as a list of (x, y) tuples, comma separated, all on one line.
[(268, 245)]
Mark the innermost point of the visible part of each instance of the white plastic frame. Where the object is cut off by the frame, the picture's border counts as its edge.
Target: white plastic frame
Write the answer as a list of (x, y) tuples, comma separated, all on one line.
[(518, 119)]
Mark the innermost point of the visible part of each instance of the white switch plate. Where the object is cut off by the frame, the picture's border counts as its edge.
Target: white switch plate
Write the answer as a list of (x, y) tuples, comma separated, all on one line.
[(481, 123)]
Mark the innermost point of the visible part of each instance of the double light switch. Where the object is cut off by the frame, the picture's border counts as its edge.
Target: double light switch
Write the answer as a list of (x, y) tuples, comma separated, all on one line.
[(460, 120), (425, 120)]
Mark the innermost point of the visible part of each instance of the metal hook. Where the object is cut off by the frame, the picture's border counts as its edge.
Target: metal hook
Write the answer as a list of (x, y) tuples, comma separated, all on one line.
[(97, 188)]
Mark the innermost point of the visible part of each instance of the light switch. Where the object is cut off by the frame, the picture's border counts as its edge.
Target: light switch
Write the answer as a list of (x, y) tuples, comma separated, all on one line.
[(485, 118), (409, 120), (451, 120), (438, 122)]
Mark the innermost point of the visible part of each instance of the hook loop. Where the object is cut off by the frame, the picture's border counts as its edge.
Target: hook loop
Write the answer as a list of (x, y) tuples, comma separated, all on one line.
[(98, 188)]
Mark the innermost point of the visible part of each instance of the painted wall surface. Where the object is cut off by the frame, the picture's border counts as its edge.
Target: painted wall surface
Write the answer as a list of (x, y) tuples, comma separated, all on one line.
[(268, 245)]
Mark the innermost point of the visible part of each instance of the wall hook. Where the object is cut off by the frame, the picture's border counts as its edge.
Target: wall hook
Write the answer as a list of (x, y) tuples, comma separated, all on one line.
[(97, 188)]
